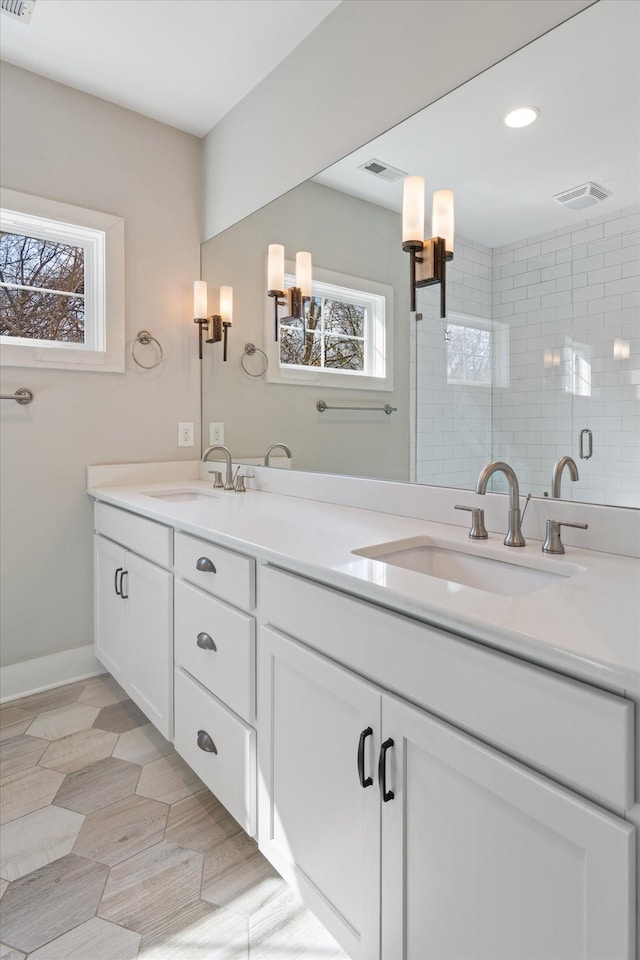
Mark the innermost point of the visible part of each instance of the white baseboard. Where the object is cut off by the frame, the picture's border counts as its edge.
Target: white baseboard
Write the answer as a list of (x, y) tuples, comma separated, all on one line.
[(32, 676)]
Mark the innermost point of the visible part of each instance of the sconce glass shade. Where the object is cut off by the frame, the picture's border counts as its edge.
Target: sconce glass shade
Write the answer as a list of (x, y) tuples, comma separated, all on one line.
[(442, 218), (226, 304), (303, 273), (275, 267), (413, 210), (200, 299)]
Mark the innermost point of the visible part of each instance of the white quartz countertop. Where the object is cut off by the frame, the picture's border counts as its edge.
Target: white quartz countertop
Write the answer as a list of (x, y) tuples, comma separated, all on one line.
[(586, 625)]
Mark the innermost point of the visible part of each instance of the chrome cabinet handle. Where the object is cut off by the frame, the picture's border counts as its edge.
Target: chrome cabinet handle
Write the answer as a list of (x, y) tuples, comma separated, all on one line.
[(117, 589), (205, 742), (125, 573), (589, 436), (204, 565), (205, 642)]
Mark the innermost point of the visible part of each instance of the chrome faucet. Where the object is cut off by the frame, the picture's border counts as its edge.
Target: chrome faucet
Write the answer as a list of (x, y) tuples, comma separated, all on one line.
[(558, 467), (227, 453), (274, 446), (514, 536)]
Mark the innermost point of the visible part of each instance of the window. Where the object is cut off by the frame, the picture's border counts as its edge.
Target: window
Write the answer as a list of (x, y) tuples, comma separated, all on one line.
[(578, 369), (477, 351), (468, 354), (346, 338), (61, 285)]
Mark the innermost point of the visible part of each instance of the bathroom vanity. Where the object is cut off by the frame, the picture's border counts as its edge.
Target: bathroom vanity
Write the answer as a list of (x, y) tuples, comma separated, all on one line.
[(441, 763)]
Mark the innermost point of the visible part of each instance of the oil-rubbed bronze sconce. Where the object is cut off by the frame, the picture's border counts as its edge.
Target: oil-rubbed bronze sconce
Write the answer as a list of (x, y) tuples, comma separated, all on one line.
[(298, 296), (217, 325), (428, 257)]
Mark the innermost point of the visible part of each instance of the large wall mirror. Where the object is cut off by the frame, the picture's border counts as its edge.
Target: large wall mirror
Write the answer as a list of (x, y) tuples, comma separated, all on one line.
[(538, 355)]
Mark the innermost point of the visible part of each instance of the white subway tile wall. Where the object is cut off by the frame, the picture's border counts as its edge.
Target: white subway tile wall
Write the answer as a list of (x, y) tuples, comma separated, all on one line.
[(568, 304)]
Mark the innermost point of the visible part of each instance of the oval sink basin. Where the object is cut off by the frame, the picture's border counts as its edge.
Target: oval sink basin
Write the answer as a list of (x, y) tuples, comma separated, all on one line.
[(486, 573), (180, 496)]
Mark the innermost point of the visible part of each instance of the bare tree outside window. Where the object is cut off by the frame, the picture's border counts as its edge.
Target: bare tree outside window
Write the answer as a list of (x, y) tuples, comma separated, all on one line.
[(333, 337), (41, 289), (468, 354)]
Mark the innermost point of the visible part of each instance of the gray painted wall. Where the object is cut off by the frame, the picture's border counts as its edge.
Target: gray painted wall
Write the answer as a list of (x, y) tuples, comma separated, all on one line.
[(67, 146), (366, 67)]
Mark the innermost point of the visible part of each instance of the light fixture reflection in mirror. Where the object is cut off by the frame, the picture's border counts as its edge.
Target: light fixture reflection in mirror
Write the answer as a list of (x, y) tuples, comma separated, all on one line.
[(521, 117), (427, 264), (297, 296)]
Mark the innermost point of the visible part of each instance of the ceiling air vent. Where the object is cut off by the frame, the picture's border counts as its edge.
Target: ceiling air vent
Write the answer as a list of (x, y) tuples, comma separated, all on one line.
[(580, 197), (18, 9), (382, 170)]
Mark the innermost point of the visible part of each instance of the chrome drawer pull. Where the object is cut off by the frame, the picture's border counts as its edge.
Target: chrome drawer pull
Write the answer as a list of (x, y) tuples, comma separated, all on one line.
[(204, 565), (205, 742), (205, 642)]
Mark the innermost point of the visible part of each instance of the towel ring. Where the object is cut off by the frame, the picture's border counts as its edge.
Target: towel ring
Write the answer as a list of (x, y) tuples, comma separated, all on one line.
[(249, 350), (144, 337)]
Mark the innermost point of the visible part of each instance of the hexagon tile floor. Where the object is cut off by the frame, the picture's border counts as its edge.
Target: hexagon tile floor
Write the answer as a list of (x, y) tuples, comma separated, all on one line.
[(112, 849)]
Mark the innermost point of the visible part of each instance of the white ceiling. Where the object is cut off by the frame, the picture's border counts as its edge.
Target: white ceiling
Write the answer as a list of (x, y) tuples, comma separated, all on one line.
[(585, 78), (184, 62)]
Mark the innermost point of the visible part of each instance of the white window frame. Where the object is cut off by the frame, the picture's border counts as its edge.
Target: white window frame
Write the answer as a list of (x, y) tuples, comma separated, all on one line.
[(499, 355), (101, 236), (378, 339)]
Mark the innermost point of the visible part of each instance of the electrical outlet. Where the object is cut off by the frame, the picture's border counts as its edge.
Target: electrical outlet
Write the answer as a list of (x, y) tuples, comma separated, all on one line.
[(185, 434), (216, 433)]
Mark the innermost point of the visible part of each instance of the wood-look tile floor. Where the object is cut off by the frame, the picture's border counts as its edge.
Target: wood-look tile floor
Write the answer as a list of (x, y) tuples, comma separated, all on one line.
[(112, 849)]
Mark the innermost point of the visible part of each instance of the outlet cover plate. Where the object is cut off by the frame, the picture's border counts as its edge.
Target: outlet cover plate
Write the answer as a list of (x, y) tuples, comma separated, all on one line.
[(185, 434), (216, 433)]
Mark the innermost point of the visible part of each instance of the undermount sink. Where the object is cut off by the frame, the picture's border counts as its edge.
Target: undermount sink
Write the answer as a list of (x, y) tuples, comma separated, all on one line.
[(180, 496), (469, 569)]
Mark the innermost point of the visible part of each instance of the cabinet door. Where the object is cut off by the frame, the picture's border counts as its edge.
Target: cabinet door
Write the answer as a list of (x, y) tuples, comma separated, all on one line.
[(317, 824), (483, 858), (109, 607), (149, 604)]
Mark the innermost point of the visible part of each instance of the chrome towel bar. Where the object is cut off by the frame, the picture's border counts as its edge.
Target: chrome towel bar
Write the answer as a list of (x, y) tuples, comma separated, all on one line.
[(321, 406), (22, 395)]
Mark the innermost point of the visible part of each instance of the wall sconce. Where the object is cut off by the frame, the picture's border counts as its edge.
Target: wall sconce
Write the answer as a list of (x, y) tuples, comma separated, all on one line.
[(218, 324), (430, 266), (296, 296)]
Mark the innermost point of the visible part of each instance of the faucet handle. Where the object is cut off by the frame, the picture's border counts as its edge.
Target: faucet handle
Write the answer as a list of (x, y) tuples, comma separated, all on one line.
[(552, 542), (217, 479), (240, 479), (478, 530)]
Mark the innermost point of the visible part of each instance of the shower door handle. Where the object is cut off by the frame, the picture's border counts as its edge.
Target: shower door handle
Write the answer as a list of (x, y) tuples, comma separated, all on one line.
[(588, 436)]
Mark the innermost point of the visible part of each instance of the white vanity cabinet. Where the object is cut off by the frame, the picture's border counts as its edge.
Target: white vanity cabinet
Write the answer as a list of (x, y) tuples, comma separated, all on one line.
[(215, 687), (318, 826), (134, 609), (464, 850)]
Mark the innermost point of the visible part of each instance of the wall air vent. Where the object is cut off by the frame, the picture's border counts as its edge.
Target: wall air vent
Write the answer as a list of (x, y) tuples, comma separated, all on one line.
[(580, 197), (382, 170), (18, 9)]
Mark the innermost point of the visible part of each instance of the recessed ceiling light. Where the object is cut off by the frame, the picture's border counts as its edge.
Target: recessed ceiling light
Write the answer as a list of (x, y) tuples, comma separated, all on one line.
[(522, 116)]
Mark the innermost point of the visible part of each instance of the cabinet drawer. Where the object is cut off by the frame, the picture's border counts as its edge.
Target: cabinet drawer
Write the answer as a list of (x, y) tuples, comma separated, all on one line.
[(230, 771), (573, 732), (145, 537), (223, 660), (233, 576)]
